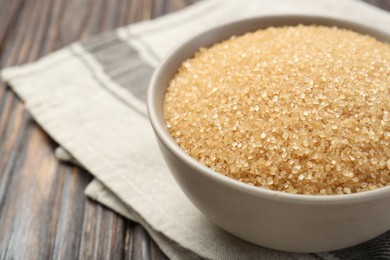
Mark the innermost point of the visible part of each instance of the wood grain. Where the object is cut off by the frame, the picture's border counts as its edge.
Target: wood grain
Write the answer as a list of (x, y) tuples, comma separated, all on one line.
[(44, 213)]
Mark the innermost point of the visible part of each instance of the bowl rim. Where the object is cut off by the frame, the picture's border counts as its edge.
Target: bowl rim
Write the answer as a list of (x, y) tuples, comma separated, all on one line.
[(166, 139)]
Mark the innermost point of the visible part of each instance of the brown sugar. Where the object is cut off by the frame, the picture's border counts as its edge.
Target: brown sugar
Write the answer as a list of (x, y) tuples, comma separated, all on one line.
[(299, 109)]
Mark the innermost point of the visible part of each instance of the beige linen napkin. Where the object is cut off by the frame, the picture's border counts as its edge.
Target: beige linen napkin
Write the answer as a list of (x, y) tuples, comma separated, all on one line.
[(90, 97)]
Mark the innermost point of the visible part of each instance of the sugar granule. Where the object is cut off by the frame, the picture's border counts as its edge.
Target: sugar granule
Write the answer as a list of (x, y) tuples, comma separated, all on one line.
[(298, 109)]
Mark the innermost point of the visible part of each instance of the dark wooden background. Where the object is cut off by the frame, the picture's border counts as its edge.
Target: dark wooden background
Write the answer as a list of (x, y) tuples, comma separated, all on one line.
[(44, 213)]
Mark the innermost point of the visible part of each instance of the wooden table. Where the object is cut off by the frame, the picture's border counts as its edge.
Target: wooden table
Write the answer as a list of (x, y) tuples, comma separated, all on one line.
[(43, 210)]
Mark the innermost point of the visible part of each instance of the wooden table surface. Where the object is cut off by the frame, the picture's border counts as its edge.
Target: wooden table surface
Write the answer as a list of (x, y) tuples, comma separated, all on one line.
[(44, 213)]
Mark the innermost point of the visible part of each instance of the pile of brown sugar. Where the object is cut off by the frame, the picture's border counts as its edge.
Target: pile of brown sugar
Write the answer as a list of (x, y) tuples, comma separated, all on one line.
[(300, 109)]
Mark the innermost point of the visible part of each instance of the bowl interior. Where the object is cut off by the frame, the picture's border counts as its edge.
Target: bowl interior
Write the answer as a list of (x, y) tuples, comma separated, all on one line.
[(172, 62)]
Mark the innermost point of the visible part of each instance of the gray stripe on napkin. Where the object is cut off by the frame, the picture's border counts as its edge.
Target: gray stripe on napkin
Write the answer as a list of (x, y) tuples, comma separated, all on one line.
[(122, 63), (95, 75)]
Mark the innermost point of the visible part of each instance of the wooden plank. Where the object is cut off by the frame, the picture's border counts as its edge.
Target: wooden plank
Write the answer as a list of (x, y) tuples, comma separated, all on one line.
[(384, 4), (68, 231), (141, 244), (13, 131), (102, 234), (13, 234), (155, 252), (135, 13), (9, 13), (21, 218)]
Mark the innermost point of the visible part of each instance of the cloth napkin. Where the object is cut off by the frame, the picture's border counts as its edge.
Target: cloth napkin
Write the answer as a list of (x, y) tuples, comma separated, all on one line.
[(90, 98)]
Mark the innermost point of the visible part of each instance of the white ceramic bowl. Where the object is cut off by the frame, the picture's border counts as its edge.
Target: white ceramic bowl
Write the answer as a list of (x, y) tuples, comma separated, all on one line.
[(297, 223)]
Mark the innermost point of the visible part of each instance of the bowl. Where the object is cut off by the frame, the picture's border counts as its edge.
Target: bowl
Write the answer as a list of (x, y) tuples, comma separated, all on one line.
[(282, 221)]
